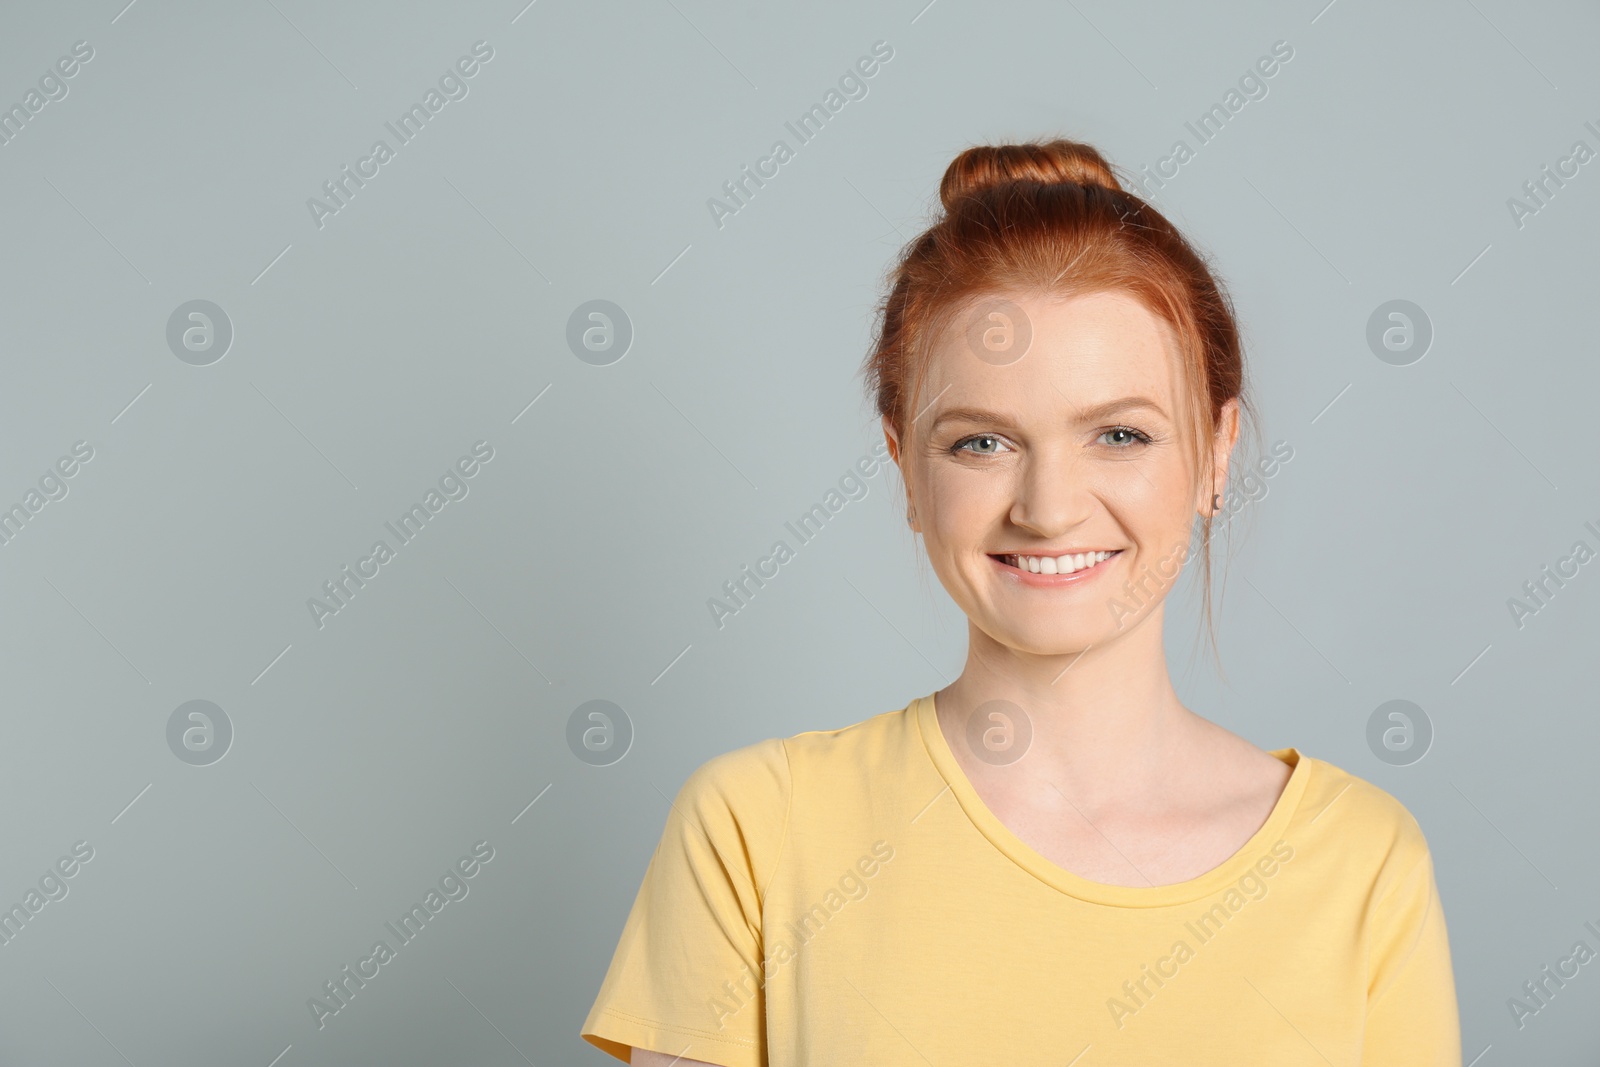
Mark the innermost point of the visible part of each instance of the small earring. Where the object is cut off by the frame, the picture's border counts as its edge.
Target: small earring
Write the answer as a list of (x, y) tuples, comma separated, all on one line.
[(1215, 497)]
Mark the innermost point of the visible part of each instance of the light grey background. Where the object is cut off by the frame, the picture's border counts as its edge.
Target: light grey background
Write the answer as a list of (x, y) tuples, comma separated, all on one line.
[(431, 311)]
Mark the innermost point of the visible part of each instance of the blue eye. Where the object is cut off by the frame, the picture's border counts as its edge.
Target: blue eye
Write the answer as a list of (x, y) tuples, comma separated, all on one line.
[(1136, 434), (961, 445)]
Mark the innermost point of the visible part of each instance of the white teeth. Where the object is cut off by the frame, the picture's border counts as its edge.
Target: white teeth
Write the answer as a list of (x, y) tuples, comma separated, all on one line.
[(1058, 564)]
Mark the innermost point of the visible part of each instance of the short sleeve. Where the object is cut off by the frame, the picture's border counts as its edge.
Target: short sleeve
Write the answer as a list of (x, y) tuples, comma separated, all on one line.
[(1412, 1014), (686, 976)]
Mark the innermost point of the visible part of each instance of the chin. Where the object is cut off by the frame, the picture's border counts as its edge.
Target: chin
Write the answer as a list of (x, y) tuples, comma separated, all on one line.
[(1043, 640)]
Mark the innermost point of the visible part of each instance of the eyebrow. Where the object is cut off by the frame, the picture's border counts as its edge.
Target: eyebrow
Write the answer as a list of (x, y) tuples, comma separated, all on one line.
[(1090, 414)]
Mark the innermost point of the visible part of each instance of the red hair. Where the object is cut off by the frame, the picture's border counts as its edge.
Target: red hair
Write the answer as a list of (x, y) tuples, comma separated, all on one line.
[(1052, 217)]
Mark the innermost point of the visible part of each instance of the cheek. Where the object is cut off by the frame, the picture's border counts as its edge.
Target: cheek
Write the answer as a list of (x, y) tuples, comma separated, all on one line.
[(1140, 486), (961, 505), (1152, 503)]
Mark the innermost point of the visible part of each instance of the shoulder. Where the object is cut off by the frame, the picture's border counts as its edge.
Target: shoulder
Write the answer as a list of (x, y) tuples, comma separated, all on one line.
[(746, 784), (880, 738), (1374, 829), (762, 777), (735, 810)]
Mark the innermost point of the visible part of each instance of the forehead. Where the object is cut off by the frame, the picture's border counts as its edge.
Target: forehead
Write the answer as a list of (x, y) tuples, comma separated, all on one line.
[(1081, 350)]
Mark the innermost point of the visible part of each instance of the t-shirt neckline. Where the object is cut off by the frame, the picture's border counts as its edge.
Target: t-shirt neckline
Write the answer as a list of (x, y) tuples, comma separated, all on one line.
[(1024, 855)]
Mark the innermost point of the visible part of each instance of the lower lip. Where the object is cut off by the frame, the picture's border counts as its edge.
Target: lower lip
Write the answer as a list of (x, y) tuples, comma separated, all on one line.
[(1054, 581)]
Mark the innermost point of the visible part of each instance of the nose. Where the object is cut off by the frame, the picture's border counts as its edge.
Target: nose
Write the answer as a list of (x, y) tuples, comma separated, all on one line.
[(1053, 493)]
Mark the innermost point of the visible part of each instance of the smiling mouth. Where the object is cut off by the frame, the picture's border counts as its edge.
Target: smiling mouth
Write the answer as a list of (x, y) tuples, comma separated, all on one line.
[(1055, 564)]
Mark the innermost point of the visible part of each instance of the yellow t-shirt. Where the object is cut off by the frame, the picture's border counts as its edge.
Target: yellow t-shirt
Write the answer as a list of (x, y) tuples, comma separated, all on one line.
[(844, 897)]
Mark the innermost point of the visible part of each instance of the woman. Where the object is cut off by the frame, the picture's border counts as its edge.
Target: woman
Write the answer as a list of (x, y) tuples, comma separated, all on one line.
[(1051, 860)]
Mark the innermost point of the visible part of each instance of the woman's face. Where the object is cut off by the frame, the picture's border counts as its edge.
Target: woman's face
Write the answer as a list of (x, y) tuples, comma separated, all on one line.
[(1075, 447)]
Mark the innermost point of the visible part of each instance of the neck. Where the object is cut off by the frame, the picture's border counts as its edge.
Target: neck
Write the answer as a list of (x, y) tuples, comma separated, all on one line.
[(1104, 720)]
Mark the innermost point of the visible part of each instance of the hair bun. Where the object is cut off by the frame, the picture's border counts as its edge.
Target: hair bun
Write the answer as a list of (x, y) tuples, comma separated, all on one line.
[(985, 166)]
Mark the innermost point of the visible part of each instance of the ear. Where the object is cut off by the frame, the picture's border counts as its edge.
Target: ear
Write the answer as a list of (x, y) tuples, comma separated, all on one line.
[(894, 454), (1221, 451), (893, 440)]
